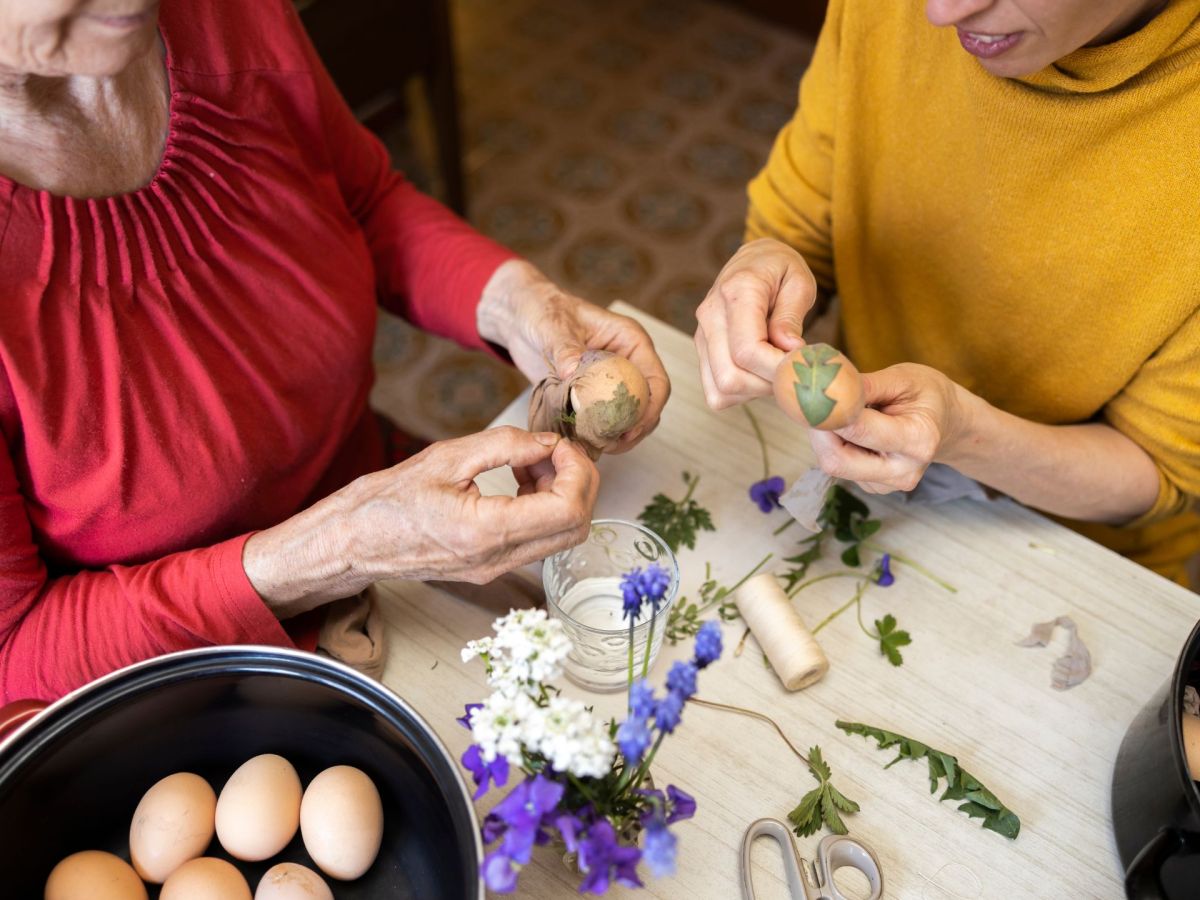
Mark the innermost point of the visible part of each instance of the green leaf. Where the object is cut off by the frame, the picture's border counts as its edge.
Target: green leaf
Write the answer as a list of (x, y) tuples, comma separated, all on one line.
[(891, 640), (677, 521), (981, 802), (813, 377), (850, 556), (824, 804)]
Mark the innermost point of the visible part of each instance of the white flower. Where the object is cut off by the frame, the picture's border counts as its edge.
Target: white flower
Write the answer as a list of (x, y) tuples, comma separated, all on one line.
[(504, 724), (573, 741), (481, 647), (526, 652)]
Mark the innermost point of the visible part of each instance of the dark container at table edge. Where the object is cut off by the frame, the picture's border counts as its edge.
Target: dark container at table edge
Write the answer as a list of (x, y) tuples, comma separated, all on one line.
[(1155, 804), (70, 779)]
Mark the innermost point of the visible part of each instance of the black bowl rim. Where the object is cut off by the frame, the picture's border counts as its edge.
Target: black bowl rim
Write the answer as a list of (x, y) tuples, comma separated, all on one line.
[(95, 696), (1187, 656)]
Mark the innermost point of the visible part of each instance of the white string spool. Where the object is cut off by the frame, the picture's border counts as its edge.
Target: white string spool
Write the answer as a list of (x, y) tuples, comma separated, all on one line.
[(794, 653)]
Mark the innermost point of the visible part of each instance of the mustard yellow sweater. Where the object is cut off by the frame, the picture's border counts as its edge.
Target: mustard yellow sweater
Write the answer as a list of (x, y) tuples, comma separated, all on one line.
[(1037, 240)]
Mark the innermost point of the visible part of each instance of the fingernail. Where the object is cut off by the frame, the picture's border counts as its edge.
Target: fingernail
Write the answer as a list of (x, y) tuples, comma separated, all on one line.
[(547, 438)]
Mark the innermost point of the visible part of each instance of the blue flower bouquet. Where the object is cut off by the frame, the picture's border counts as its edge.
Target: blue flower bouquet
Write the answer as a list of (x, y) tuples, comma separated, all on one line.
[(584, 783)]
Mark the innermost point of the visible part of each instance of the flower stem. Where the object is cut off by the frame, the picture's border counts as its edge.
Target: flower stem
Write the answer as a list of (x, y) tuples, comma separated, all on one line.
[(802, 585), (649, 639), (784, 527), (630, 686), (857, 598), (762, 442), (582, 789), (742, 643), (904, 560), (691, 490), (645, 766), (754, 715)]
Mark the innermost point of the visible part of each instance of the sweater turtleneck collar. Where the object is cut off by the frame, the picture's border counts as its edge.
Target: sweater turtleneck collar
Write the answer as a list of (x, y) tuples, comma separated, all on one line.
[(1170, 39)]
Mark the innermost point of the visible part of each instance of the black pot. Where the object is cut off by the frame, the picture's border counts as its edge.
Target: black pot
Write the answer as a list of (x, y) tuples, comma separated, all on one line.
[(1155, 804), (70, 778)]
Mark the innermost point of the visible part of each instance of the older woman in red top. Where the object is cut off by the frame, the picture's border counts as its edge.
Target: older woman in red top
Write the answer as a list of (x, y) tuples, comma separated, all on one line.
[(194, 235)]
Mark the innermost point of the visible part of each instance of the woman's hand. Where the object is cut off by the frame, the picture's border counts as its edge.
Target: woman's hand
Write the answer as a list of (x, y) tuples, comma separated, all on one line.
[(915, 416), (546, 331), (752, 316), (425, 518)]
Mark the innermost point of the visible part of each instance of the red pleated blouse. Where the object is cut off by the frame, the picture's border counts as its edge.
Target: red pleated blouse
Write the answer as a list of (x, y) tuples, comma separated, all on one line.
[(188, 363)]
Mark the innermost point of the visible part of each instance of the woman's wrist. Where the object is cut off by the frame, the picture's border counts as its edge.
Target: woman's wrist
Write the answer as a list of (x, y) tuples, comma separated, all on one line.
[(497, 314), (304, 561), (966, 440)]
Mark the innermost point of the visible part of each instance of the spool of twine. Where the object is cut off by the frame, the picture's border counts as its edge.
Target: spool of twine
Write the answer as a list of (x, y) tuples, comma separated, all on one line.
[(793, 652)]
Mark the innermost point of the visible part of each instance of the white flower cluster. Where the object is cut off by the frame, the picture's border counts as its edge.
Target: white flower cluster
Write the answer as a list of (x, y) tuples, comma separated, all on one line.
[(518, 719), (527, 651), (563, 731)]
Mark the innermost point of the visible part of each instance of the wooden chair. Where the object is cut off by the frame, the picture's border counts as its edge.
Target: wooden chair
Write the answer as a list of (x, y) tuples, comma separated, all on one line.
[(372, 48)]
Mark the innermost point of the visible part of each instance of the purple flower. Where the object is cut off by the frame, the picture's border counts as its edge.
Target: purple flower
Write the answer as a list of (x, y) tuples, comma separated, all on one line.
[(766, 493), (483, 772), (681, 679), (681, 804), (499, 873), (465, 719), (883, 571), (633, 737), (524, 810), (603, 859), (569, 826), (669, 711), (493, 826), (708, 644), (659, 852), (641, 699), (631, 593), (653, 583)]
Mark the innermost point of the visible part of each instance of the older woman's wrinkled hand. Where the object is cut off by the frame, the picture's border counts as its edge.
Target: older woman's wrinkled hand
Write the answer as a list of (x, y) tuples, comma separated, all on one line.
[(753, 315), (546, 330), (425, 518)]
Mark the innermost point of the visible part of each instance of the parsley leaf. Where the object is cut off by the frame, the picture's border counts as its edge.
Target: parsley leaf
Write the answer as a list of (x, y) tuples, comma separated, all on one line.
[(891, 640), (824, 804), (979, 802), (677, 522)]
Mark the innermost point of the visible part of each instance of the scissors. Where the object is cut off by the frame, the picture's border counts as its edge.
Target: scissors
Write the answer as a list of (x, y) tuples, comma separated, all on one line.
[(812, 881)]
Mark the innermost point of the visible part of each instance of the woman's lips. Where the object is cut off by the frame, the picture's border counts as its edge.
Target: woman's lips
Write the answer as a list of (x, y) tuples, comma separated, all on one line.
[(987, 46)]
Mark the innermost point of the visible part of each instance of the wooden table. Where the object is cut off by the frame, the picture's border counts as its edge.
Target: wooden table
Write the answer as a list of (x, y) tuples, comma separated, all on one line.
[(964, 687)]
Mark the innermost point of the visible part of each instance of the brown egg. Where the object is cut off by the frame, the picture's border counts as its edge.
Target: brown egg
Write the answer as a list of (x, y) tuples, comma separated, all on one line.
[(290, 881), (172, 824), (1191, 744), (817, 386), (206, 878), (259, 808), (341, 819), (94, 875)]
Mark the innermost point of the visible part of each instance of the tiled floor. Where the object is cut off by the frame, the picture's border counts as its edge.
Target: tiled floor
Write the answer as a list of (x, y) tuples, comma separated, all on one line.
[(610, 142)]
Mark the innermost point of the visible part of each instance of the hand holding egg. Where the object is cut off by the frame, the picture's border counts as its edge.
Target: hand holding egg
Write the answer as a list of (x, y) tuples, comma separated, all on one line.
[(817, 386)]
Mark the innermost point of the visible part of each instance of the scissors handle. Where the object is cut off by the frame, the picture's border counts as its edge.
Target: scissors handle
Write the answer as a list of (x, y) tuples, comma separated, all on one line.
[(807, 882)]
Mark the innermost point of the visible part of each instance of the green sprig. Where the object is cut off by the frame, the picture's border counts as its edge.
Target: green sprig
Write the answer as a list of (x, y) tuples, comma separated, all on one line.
[(685, 617), (824, 804), (677, 521), (978, 801)]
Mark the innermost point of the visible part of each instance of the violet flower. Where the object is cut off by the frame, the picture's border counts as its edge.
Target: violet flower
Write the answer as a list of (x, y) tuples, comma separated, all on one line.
[(605, 860), (465, 719), (883, 571), (708, 644), (659, 849), (499, 874), (485, 773), (681, 679), (680, 805), (766, 493), (640, 587), (633, 737), (669, 712), (641, 699), (524, 810)]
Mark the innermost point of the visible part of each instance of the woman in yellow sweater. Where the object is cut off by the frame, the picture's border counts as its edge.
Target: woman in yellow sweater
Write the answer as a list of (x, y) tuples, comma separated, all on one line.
[(1005, 195)]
